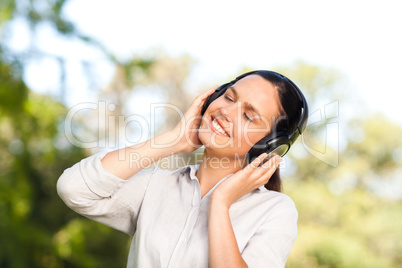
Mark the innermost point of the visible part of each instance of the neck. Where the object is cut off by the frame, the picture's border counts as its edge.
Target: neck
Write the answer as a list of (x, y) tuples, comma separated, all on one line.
[(214, 168)]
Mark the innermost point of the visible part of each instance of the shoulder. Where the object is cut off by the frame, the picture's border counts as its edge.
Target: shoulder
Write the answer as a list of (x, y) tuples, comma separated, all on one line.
[(280, 199), (273, 203), (274, 231), (279, 213), (273, 197), (157, 171), (159, 174), (154, 171)]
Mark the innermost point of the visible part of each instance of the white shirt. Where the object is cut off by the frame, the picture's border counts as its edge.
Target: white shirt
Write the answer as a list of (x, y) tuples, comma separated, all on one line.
[(164, 212)]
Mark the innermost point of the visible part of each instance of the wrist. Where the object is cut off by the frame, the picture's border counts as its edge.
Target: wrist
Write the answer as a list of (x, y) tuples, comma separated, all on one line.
[(218, 202), (168, 141), (181, 142)]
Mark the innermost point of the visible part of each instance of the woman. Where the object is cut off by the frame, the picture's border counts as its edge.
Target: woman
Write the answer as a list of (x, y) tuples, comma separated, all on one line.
[(225, 212)]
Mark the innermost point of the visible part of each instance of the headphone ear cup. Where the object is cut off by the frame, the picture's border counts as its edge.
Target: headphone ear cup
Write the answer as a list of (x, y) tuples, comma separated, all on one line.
[(278, 145), (218, 92)]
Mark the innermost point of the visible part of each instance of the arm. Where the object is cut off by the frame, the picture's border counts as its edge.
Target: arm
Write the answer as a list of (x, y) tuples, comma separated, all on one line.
[(272, 242), (98, 186), (90, 191), (126, 162), (223, 248)]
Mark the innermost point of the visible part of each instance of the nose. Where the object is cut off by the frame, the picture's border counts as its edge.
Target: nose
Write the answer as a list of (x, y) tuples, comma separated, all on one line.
[(229, 112), (225, 114)]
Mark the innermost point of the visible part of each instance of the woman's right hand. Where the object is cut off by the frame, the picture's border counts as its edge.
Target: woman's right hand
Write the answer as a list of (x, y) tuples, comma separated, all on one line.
[(126, 162), (187, 128)]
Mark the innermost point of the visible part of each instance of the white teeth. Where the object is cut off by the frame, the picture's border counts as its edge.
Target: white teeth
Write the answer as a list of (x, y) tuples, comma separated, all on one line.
[(218, 127)]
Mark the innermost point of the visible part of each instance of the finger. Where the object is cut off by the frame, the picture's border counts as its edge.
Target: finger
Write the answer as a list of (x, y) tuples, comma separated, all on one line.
[(270, 170), (208, 92), (201, 98), (264, 173), (273, 162), (196, 107), (256, 162)]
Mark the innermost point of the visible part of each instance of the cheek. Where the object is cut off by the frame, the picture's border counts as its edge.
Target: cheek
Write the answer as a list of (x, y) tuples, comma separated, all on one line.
[(252, 135)]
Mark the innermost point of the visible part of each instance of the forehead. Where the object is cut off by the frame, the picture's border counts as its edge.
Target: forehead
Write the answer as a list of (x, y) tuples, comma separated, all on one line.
[(260, 93)]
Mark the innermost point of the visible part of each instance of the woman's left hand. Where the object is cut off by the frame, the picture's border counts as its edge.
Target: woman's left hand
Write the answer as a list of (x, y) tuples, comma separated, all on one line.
[(246, 180)]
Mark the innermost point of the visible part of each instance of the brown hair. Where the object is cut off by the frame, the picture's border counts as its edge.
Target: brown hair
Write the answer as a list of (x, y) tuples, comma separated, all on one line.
[(275, 182)]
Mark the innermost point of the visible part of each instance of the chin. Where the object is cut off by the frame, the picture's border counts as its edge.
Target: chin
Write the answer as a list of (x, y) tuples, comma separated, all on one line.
[(205, 139), (225, 150)]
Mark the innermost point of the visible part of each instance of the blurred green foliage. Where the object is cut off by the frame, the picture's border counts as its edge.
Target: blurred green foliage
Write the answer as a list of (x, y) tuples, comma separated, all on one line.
[(37, 229), (347, 217), (352, 229)]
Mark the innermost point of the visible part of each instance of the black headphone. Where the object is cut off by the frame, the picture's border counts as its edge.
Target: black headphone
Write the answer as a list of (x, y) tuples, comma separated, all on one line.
[(278, 142)]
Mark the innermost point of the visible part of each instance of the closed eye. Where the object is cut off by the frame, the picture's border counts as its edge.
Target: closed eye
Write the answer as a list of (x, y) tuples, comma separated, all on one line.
[(228, 98), (248, 118)]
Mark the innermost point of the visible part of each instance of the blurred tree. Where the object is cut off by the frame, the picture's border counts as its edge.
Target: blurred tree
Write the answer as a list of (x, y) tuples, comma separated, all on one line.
[(34, 219), (40, 14), (349, 215), (374, 156), (351, 229), (168, 75), (37, 229)]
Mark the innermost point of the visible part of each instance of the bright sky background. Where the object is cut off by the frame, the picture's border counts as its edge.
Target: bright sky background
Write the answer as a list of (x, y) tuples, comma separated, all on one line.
[(362, 39)]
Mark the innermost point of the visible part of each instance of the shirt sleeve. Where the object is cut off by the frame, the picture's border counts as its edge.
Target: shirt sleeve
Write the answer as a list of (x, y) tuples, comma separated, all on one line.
[(271, 244), (88, 189)]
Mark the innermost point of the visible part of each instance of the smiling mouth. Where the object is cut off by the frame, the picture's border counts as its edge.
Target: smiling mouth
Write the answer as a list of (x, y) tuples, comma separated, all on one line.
[(217, 128)]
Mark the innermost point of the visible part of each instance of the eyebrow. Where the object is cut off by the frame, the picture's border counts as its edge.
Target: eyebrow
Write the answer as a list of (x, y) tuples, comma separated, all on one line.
[(248, 105)]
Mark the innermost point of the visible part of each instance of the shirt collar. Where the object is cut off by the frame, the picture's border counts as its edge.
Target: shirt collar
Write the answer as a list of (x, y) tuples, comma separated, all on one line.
[(192, 169), (262, 188)]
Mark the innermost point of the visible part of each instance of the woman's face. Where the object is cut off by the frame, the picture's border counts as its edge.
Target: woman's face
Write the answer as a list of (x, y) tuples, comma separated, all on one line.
[(239, 118)]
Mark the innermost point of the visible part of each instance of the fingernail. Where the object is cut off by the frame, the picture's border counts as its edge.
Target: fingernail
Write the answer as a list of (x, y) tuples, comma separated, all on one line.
[(278, 158)]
